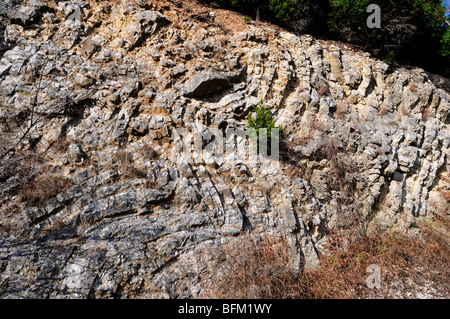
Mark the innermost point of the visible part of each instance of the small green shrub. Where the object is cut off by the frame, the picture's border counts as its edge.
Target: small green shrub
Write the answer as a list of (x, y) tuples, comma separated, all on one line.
[(389, 58), (263, 120)]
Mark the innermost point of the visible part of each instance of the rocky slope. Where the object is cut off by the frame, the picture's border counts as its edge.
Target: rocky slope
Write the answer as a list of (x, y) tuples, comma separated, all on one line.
[(96, 199)]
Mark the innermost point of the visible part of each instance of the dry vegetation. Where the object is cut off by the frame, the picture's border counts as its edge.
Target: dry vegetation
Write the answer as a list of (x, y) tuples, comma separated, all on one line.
[(342, 168), (342, 179), (262, 267), (128, 165), (342, 274), (412, 87), (251, 267), (31, 180), (42, 189), (256, 268), (404, 110)]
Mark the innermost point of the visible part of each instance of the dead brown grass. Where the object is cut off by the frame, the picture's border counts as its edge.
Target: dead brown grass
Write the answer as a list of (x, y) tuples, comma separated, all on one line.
[(253, 268), (148, 152), (35, 181), (342, 178), (258, 268), (227, 21), (42, 189), (288, 147), (128, 168), (342, 274), (342, 168), (62, 143), (426, 114), (126, 164), (323, 90), (405, 111)]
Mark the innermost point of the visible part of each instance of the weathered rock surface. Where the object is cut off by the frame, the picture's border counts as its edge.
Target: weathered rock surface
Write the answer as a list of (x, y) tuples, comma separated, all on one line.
[(206, 85), (100, 98)]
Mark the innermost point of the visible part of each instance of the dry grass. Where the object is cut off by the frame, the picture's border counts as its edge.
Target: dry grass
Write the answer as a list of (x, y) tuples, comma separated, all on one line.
[(62, 143), (426, 114), (227, 21), (30, 179), (405, 111), (253, 268), (127, 167), (342, 182), (288, 147), (265, 187), (342, 168), (383, 150), (147, 152), (159, 110), (39, 191), (228, 179), (126, 163), (342, 178), (342, 274), (218, 55), (261, 268), (54, 227)]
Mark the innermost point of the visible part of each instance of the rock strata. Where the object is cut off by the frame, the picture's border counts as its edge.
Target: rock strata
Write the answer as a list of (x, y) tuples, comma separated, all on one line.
[(96, 199)]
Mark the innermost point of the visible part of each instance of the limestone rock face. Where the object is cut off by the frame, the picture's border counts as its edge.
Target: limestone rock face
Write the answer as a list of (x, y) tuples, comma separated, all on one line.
[(98, 99)]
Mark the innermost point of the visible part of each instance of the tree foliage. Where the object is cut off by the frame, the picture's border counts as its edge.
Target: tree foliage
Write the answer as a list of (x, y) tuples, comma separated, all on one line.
[(415, 32), (264, 122)]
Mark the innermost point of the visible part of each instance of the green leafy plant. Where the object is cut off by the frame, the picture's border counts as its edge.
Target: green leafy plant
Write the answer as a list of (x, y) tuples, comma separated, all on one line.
[(248, 19), (263, 120), (389, 58)]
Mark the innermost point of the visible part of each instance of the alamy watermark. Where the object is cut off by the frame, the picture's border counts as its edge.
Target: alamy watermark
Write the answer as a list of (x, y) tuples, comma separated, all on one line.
[(374, 20), (374, 280)]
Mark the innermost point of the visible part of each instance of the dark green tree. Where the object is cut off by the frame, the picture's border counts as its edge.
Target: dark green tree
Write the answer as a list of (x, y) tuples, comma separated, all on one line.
[(414, 32)]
